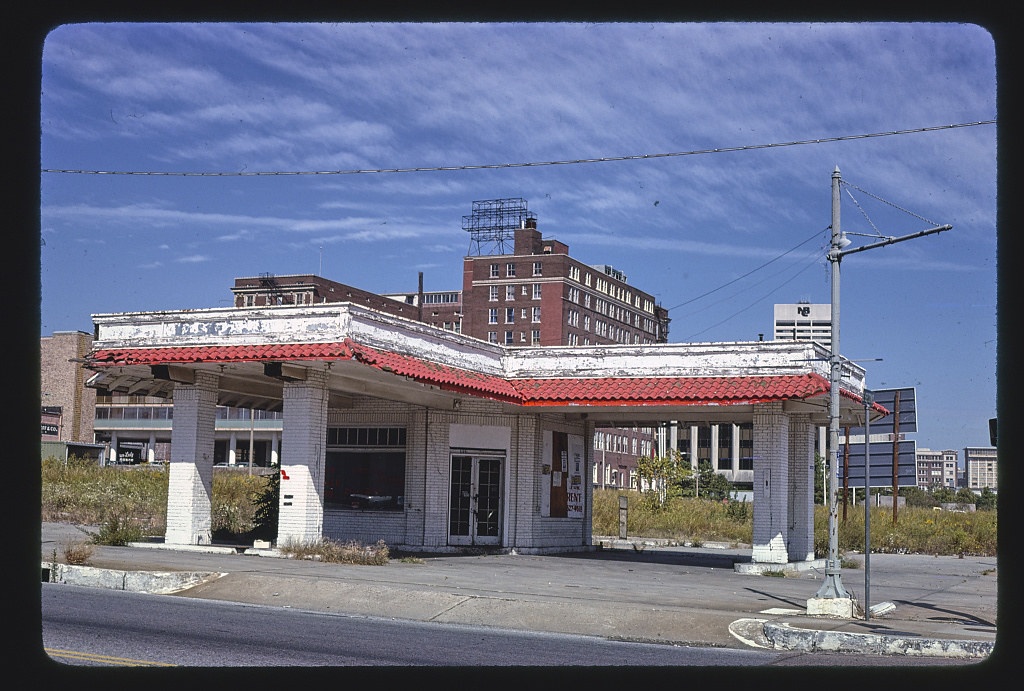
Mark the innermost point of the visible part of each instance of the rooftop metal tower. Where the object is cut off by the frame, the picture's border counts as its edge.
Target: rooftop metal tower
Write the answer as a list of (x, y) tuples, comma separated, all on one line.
[(493, 224)]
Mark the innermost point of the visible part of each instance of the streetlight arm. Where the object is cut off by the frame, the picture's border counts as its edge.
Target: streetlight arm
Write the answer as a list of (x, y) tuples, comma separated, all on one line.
[(890, 241)]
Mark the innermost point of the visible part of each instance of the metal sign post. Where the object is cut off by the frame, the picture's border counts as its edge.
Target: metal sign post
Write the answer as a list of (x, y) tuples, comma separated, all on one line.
[(867, 504)]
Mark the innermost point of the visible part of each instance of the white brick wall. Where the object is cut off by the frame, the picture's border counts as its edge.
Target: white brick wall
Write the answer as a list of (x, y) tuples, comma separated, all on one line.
[(424, 523), (771, 484), (303, 441), (191, 469), (801, 481)]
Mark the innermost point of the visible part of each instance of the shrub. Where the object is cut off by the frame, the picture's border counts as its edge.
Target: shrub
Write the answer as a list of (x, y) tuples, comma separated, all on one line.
[(118, 531), (266, 509), (233, 510), (78, 553)]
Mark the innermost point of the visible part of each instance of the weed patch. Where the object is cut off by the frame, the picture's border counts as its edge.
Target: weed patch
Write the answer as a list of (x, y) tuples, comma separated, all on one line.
[(334, 552)]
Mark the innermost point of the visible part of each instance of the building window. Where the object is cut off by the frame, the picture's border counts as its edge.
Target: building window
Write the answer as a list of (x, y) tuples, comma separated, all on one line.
[(536, 291), (535, 337), (509, 340), (538, 269), (510, 270), (510, 315), (510, 292), (492, 336), (494, 270), (536, 315), (365, 468), (493, 297), (492, 315)]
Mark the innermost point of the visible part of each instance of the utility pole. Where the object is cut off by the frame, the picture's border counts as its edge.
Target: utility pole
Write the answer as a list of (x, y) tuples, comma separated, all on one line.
[(832, 588)]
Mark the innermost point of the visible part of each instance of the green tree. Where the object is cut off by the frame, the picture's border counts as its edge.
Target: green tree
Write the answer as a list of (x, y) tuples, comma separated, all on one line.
[(916, 496), (944, 495), (663, 474), (709, 484), (987, 500), (965, 496)]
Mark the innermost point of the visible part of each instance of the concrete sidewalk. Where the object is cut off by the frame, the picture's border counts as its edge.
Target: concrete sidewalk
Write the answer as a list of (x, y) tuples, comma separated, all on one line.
[(641, 590)]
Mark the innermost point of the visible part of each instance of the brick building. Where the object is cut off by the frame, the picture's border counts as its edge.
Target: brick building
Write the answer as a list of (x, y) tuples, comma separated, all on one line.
[(489, 445), (539, 295), (67, 405), (936, 468)]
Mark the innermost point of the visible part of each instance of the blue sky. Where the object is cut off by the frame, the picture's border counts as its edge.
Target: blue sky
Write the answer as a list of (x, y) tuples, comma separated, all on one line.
[(621, 120)]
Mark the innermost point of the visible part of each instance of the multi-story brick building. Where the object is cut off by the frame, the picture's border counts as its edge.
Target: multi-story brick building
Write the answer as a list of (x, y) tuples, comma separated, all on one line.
[(539, 295), (67, 405), (936, 468)]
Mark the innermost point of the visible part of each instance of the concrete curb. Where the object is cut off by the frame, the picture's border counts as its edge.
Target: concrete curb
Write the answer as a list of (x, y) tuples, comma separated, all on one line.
[(156, 582), (760, 633)]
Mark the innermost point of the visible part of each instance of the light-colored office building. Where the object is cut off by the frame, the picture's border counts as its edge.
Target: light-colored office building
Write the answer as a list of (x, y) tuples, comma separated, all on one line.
[(980, 465), (803, 321)]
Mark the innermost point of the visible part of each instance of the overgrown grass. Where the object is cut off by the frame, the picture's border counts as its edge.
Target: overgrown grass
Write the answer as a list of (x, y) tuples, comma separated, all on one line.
[(681, 518), (916, 530), (131, 503), (83, 493), (338, 552)]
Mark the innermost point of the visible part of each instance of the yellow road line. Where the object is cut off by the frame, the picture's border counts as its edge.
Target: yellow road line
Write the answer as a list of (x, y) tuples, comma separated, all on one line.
[(103, 659)]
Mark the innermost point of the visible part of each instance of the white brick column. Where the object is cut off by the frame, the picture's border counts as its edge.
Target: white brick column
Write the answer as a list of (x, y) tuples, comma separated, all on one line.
[(693, 448), (735, 450), (771, 485), (714, 448), (801, 485), (303, 441), (191, 469)]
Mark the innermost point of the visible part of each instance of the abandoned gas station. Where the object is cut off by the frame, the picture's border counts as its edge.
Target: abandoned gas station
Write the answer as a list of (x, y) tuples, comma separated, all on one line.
[(433, 441)]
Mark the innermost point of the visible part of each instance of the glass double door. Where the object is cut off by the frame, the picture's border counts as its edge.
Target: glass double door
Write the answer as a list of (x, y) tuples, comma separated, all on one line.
[(474, 500)]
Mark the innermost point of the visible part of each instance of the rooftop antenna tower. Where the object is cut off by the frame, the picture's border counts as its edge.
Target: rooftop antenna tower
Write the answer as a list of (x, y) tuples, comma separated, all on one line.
[(493, 224)]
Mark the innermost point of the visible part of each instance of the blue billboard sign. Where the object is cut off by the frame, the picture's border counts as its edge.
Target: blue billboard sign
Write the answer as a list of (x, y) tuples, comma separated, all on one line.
[(902, 419)]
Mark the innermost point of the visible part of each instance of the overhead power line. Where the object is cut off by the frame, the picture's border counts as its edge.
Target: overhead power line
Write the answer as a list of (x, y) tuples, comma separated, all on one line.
[(739, 278), (605, 159)]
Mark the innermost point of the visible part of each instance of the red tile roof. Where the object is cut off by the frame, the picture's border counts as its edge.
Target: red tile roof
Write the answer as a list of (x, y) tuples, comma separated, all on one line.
[(671, 390), (607, 391)]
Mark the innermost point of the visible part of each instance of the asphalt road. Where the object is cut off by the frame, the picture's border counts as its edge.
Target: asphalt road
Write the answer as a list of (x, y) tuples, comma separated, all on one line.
[(639, 592)]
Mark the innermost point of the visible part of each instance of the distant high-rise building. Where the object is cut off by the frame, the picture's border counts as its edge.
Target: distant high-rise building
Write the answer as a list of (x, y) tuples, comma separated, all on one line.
[(803, 321), (980, 465)]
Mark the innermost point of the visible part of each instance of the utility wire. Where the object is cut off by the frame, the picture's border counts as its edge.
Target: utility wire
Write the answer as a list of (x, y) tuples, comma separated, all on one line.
[(427, 169), (740, 278), (809, 260), (755, 302)]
